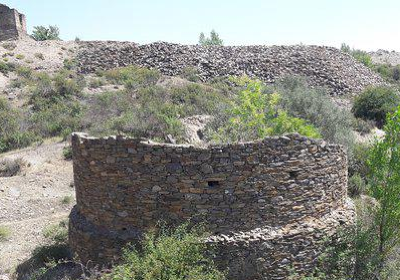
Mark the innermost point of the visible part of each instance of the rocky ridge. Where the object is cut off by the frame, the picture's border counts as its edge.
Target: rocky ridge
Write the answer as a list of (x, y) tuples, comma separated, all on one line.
[(323, 66)]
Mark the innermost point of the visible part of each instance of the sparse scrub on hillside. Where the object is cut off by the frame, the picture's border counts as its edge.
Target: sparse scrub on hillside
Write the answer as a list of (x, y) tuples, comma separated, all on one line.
[(191, 74), (13, 132), (254, 114), (375, 103), (10, 46), (133, 77), (361, 56), (178, 254), (315, 106), (153, 112)]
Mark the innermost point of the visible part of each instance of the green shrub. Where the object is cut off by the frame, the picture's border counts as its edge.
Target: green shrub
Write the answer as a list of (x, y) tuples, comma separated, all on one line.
[(5, 67), (47, 90), (375, 103), (190, 74), (42, 33), (152, 112), (254, 114), (57, 233), (70, 64), (357, 185), (67, 152), (358, 160), (66, 200), (363, 126), (58, 119), (20, 56), (13, 134), (175, 255), (361, 56), (315, 106), (133, 77), (10, 46), (388, 72), (96, 83), (5, 233)]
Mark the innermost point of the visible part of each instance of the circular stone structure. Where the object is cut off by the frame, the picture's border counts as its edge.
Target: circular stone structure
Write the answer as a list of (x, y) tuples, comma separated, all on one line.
[(268, 204)]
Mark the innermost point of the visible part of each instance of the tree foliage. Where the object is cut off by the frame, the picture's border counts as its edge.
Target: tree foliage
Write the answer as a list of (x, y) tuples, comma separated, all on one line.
[(384, 186), (213, 40), (255, 114), (42, 33), (375, 103)]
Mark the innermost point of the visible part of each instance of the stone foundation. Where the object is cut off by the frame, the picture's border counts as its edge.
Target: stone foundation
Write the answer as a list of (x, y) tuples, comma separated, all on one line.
[(268, 204)]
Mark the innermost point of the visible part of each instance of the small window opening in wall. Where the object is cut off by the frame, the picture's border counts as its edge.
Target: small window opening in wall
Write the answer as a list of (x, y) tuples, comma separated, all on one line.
[(124, 229), (213, 184), (21, 19)]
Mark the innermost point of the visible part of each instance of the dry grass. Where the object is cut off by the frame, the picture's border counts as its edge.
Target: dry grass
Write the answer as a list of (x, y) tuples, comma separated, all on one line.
[(11, 167)]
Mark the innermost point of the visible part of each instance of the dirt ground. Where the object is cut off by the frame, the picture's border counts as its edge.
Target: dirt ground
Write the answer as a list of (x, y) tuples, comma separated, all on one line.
[(33, 200)]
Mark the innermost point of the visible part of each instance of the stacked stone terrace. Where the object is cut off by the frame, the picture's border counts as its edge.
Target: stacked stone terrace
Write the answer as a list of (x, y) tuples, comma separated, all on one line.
[(323, 66), (268, 204)]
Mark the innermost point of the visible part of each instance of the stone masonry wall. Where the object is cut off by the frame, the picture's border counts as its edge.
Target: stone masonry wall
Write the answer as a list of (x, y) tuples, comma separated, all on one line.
[(323, 66), (12, 24), (268, 204)]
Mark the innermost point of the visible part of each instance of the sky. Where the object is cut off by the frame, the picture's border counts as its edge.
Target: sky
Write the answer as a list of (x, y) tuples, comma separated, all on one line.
[(364, 24)]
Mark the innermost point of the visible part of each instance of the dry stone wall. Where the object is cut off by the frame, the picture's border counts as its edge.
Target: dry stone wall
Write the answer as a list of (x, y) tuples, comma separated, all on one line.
[(269, 204), (12, 24), (323, 66)]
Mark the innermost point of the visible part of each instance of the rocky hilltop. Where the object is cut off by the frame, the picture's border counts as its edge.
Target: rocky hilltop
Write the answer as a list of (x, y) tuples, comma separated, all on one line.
[(324, 66)]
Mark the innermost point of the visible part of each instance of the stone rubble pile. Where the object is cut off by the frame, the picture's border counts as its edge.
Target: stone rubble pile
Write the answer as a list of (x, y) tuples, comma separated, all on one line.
[(323, 66)]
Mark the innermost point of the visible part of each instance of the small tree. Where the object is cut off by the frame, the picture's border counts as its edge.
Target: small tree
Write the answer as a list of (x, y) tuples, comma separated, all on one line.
[(384, 186), (42, 33), (213, 40)]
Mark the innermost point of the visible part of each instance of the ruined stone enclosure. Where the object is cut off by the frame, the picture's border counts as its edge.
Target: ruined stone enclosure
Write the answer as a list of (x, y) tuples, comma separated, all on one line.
[(268, 204), (12, 24)]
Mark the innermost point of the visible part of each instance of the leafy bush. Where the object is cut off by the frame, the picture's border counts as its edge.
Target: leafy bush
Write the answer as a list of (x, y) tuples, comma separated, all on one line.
[(10, 46), (42, 33), (254, 114), (5, 233), (57, 233), (67, 152), (357, 185), (388, 72), (179, 254), (190, 74), (315, 106), (11, 167), (133, 77), (13, 134), (39, 56), (361, 56), (375, 103), (152, 112)]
